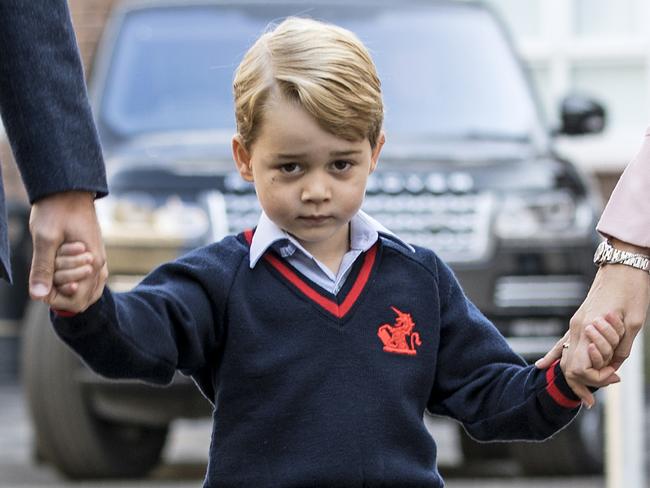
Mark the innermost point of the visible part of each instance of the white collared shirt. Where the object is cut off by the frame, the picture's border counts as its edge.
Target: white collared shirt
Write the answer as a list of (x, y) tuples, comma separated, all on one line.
[(364, 232)]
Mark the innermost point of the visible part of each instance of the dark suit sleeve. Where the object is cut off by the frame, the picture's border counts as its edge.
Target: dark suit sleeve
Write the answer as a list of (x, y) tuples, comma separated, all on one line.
[(43, 100), (5, 264)]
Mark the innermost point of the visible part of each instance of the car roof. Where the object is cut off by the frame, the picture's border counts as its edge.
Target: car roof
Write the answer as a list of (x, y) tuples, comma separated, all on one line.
[(129, 5)]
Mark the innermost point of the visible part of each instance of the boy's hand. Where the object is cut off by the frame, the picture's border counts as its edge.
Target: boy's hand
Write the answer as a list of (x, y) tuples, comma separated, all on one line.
[(72, 264), (598, 342), (67, 216), (604, 337)]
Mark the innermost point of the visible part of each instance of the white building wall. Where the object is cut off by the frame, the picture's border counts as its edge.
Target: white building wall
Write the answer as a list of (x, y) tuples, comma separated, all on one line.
[(600, 48)]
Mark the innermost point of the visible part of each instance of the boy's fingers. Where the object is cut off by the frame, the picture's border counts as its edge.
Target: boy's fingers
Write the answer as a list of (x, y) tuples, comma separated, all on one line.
[(64, 276), (71, 248), (68, 289), (598, 377), (607, 330), (616, 321), (596, 358), (591, 376), (76, 261), (600, 342), (77, 302), (64, 303)]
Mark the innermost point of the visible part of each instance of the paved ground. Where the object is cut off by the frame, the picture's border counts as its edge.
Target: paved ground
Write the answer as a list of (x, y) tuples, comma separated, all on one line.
[(185, 457)]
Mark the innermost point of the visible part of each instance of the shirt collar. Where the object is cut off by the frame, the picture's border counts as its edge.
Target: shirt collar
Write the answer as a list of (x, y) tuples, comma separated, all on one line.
[(364, 232), (366, 221)]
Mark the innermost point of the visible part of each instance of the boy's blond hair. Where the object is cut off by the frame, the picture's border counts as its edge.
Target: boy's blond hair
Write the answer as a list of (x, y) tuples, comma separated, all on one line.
[(324, 68)]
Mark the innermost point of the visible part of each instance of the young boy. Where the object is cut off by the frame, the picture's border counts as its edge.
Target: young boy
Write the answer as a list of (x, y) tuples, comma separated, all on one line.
[(320, 337)]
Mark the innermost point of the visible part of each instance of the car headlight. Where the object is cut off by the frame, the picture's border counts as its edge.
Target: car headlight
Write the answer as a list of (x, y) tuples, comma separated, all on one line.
[(141, 232), (543, 216)]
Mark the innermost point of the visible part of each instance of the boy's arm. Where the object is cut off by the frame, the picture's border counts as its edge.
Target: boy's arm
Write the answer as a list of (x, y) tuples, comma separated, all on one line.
[(482, 383), (169, 321)]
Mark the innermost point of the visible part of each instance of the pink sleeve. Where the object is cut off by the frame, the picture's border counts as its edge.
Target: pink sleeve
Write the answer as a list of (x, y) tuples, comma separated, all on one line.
[(627, 214)]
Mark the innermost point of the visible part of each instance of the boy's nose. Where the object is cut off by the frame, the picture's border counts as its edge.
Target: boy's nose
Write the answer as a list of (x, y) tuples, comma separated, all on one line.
[(315, 190)]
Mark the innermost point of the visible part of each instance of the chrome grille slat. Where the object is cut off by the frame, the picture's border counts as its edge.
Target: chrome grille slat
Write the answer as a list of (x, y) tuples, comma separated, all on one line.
[(543, 291)]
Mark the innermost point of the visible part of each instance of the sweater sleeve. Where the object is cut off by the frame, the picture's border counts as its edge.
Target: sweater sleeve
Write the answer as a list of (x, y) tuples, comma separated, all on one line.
[(483, 384), (171, 321)]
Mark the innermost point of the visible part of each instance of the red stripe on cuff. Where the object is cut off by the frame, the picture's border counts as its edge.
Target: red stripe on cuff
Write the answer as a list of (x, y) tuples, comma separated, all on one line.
[(555, 393)]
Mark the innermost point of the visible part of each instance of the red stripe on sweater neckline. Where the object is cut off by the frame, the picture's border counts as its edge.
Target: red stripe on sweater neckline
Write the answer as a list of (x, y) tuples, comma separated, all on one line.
[(338, 310), (248, 235)]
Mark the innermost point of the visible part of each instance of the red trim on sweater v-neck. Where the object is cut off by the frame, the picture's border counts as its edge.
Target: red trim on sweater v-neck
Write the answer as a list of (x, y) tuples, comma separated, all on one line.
[(336, 309)]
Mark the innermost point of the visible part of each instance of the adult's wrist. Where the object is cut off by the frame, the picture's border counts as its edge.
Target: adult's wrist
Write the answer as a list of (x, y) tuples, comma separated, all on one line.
[(628, 255), (626, 246), (76, 195)]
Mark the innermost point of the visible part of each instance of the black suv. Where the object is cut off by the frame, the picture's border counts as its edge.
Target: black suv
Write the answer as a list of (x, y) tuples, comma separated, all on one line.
[(469, 170)]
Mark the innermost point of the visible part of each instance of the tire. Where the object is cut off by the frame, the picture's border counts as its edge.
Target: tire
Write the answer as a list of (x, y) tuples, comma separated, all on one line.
[(68, 433), (576, 450)]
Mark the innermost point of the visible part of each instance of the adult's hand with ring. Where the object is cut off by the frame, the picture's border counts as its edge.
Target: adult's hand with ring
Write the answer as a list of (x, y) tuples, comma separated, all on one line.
[(583, 363)]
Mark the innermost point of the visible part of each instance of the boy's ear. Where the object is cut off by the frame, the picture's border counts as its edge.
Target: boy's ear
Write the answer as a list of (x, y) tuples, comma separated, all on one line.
[(242, 158), (374, 157)]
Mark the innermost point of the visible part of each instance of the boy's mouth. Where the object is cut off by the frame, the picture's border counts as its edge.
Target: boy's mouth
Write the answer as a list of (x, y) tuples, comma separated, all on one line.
[(314, 219)]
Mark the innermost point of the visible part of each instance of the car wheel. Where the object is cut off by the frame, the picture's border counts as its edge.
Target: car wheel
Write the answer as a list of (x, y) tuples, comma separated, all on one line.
[(68, 433), (576, 450)]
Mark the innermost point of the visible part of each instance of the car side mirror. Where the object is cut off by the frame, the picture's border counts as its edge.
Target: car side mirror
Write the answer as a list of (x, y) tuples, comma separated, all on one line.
[(581, 115)]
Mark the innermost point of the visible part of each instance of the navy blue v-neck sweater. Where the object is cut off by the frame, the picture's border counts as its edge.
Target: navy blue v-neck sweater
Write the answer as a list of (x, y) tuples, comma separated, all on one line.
[(315, 389)]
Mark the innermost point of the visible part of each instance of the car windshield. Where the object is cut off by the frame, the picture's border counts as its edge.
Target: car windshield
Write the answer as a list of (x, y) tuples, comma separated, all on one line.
[(446, 71)]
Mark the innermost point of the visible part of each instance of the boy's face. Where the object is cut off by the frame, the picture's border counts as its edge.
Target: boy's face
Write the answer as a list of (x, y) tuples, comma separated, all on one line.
[(308, 181)]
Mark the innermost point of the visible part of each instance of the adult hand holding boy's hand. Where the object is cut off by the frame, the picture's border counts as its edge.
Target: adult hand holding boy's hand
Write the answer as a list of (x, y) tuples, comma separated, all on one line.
[(619, 291), (73, 264), (55, 219), (585, 360), (623, 291)]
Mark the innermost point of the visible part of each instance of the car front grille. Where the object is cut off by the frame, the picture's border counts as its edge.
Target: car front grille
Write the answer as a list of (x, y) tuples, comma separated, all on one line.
[(539, 291), (456, 226)]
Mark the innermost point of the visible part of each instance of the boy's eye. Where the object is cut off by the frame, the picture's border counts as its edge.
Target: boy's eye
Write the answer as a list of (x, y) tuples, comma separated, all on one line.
[(341, 165), (290, 168)]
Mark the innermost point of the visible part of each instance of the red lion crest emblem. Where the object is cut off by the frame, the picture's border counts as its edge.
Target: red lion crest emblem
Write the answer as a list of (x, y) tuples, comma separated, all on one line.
[(396, 337)]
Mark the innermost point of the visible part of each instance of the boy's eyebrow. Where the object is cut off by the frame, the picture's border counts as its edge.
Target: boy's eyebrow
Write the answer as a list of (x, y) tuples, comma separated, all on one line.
[(345, 153), (305, 155), (291, 156)]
